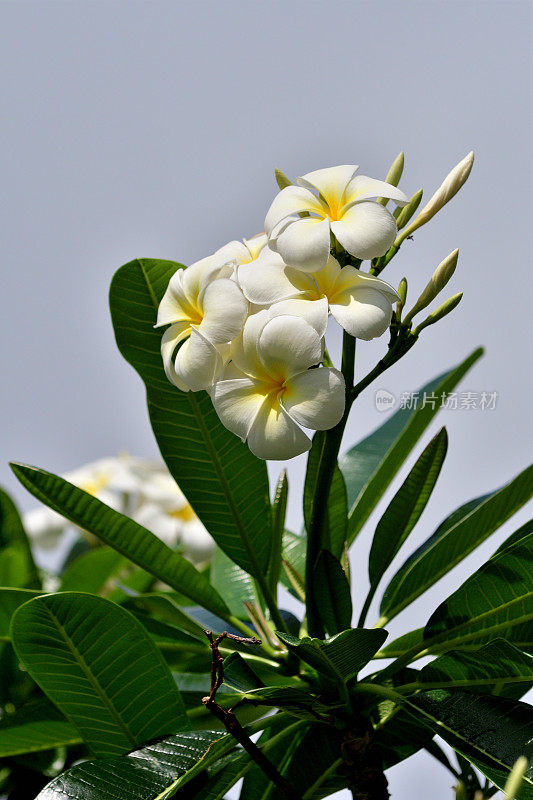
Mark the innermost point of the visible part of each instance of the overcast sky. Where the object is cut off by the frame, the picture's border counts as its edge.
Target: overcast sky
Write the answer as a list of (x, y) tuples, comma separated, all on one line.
[(152, 129)]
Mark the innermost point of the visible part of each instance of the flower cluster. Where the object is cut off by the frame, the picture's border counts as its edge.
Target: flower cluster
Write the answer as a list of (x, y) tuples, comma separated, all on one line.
[(247, 323), (143, 490)]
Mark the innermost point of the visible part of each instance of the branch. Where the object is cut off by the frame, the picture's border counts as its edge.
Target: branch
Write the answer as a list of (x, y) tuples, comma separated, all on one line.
[(230, 721)]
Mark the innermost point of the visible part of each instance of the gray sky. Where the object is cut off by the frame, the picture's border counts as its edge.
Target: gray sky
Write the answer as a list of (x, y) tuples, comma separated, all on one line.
[(152, 129)]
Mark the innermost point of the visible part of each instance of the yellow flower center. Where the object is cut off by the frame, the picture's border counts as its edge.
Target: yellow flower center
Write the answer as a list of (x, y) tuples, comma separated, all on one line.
[(185, 514)]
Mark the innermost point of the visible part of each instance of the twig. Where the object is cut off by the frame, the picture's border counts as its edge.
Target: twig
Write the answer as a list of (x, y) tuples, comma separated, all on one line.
[(230, 721)]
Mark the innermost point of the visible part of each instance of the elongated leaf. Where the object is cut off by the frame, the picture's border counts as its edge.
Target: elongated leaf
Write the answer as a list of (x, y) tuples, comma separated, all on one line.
[(402, 644), (494, 730), (371, 465), (35, 727), (239, 674), (332, 594), (342, 656), (225, 484), (12, 533), (97, 664), (496, 601), (337, 516), (232, 583), (496, 668), (499, 778), (121, 533), (10, 600), (279, 512), (454, 539), (164, 607), (406, 506), (91, 571), (154, 772), (14, 566)]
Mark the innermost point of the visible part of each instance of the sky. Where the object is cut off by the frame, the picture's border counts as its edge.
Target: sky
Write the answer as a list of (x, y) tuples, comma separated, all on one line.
[(153, 128)]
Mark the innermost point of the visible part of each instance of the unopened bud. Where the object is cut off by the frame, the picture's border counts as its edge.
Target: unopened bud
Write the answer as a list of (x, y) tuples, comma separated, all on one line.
[(402, 293), (448, 189), (516, 776), (393, 175), (403, 215), (436, 284), (281, 179), (440, 312), (460, 791)]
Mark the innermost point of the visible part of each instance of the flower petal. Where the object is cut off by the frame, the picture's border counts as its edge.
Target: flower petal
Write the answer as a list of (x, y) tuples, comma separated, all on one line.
[(364, 188), (237, 403), (170, 340), (265, 280), (255, 245), (225, 308), (288, 345), (314, 312), (316, 398), (330, 182), (349, 278), (174, 305), (363, 312), (243, 348), (305, 243), (289, 201), (366, 230), (274, 435), (198, 362)]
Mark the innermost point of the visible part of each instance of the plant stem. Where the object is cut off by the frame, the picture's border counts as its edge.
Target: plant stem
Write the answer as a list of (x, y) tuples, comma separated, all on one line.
[(325, 775)]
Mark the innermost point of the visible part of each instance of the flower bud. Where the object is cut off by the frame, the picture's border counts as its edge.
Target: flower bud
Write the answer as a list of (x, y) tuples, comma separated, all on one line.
[(402, 293), (449, 187), (438, 281), (403, 215), (282, 179), (393, 175), (516, 776), (440, 312)]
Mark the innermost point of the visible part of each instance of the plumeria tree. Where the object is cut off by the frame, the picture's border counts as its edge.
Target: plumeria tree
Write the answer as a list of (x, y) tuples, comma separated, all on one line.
[(153, 673)]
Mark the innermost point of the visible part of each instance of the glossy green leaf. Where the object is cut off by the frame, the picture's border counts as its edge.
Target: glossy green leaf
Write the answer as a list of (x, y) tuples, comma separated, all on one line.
[(10, 600), (226, 485), (337, 517), (121, 533), (232, 583), (12, 533), (239, 674), (35, 727), (406, 507), (95, 661), (154, 772), (165, 608), (402, 644), (499, 778), (453, 540), (370, 466), (497, 668), (342, 656), (496, 601), (14, 566), (91, 571), (279, 512), (333, 595), (494, 730)]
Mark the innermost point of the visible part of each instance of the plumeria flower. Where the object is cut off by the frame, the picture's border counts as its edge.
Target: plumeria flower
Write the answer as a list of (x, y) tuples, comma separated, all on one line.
[(143, 490), (361, 303), (269, 389), (205, 310), (334, 200)]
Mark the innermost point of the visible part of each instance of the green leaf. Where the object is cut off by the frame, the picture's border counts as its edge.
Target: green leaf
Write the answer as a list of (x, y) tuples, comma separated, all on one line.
[(371, 465), (342, 656), (497, 668), (402, 644), (493, 730), (497, 600), (332, 594), (239, 674), (226, 485), (91, 571), (499, 779), (35, 727), (154, 772), (293, 560), (94, 660), (232, 583), (14, 566), (121, 533), (279, 511), (12, 533), (164, 607), (406, 507), (454, 539), (10, 600), (337, 518)]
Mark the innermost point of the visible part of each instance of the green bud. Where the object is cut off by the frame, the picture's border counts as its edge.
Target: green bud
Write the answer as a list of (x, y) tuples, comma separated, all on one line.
[(403, 215), (448, 189), (282, 179), (393, 175), (460, 791), (438, 281), (440, 312), (402, 290), (516, 776)]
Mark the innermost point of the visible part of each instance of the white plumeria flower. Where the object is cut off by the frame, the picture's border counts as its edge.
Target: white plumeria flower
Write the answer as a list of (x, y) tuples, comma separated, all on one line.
[(269, 390), (361, 303), (335, 199), (205, 310)]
